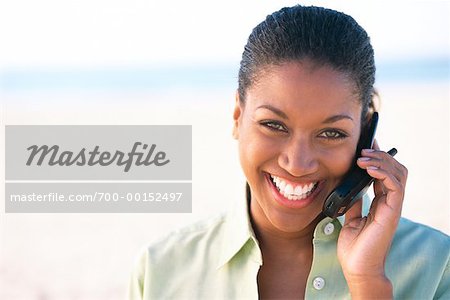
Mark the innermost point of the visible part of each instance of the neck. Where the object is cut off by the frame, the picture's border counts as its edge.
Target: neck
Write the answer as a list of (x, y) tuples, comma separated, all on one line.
[(273, 240)]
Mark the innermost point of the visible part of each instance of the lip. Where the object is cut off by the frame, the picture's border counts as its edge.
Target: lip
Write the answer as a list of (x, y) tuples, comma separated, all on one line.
[(293, 203)]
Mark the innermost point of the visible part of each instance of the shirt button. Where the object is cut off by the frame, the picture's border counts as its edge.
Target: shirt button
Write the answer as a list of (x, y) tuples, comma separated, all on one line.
[(328, 229), (318, 283)]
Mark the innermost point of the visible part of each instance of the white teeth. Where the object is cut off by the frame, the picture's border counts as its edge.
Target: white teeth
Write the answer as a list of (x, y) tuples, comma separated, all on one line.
[(293, 192), (298, 190), (277, 181), (288, 189), (282, 185)]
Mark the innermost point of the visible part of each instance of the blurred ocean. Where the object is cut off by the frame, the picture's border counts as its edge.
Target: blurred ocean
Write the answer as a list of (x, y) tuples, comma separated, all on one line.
[(189, 76)]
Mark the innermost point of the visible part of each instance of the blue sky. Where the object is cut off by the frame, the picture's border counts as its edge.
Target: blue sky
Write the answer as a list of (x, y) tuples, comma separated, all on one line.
[(93, 33)]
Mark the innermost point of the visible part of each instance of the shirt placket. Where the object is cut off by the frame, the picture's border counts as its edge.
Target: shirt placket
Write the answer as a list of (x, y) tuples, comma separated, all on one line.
[(326, 280)]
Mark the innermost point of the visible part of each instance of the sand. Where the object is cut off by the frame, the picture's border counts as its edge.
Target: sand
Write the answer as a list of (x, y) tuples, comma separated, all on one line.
[(89, 256)]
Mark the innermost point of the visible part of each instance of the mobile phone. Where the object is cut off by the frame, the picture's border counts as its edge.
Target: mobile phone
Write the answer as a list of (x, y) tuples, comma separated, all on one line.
[(356, 182)]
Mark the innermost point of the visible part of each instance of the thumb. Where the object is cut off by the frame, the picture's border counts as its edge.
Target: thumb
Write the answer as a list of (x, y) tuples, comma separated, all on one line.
[(354, 213)]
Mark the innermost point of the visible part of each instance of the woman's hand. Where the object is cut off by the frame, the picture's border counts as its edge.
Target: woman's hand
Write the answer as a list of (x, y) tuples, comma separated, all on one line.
[(364, 242)]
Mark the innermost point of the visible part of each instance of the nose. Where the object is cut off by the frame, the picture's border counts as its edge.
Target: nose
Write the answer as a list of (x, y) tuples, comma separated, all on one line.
[(299, 158)]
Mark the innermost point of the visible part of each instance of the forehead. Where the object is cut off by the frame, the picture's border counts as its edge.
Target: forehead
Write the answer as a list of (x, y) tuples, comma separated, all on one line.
[(304, 86)]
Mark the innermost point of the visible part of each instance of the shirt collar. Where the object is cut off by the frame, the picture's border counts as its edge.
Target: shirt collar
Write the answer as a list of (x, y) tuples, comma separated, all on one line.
[(238, 232)]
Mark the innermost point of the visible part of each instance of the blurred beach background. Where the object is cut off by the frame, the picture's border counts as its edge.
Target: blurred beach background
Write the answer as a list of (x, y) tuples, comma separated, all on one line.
[(176, 62)]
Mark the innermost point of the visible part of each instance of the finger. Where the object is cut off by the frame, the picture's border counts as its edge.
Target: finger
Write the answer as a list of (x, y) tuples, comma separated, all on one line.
[(383, 214), (375, 145), (382, 160), (366, 162), (373, 205), (394, 188), (380, 197), (395, 164), (354, 213), (378, 188), (379, 153), (384, 156)]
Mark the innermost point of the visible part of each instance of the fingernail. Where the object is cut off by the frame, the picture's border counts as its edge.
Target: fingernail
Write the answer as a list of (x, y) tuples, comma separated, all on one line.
[(368, 150), (372, 168), (364, 158)]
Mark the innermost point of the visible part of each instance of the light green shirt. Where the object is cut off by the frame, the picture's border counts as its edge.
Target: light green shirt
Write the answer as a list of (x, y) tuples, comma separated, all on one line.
[(219, 259)]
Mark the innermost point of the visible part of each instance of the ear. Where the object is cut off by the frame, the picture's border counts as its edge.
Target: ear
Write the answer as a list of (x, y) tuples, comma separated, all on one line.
[(237, 113)]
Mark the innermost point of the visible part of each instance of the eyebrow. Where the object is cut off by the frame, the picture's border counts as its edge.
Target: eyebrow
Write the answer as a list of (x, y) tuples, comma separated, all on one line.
[(281, 114), (274, 110), (336, 118)]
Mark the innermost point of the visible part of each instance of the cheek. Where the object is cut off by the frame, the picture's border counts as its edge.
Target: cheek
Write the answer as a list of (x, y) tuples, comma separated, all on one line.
[(339, 161), (256, 149), (250, 146)]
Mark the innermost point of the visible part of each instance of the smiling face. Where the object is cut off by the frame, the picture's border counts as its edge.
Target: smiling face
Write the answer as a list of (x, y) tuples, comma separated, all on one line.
[(297, 131)]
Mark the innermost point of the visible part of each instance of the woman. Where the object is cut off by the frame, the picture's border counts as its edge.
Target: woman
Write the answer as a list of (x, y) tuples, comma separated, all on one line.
[(305, 95)]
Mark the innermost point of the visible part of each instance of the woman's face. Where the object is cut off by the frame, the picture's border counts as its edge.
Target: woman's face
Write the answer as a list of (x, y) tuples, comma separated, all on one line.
[(297, 133)]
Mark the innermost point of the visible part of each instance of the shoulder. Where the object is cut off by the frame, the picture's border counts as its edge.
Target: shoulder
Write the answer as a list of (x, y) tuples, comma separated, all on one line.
[(199, 241), (166, 265), (193, 235), (418, 262), (411, 235)]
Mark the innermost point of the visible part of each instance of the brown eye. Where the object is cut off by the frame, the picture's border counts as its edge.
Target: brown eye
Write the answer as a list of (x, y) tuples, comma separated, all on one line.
[(333, 134), (275, 126)]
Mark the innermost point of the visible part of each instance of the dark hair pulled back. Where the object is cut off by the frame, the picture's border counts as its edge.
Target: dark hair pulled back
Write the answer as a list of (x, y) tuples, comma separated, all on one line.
[(322, 35)]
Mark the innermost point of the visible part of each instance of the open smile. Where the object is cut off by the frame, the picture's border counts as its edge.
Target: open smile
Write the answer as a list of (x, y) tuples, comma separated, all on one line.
[(293, 194), (293, 191)]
